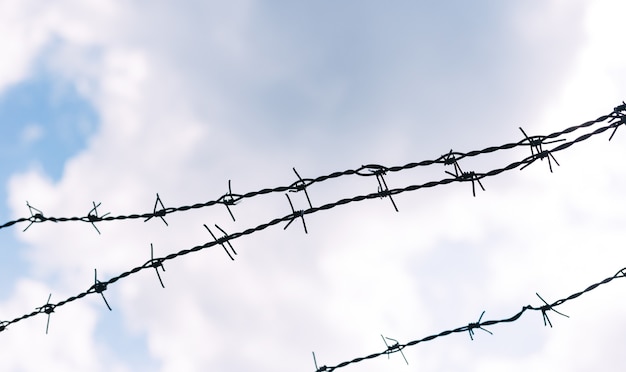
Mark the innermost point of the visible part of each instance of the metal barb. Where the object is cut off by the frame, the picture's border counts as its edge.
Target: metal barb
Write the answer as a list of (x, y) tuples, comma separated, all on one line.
[(100, 287), (536, 149), (318, 369), (458, 174), (396, 347), (544, 312), (617, 119), (160, 213), (229, 200), (383, 190), (34, 217), (48, 308), (156, 264), (477, 325), (221, 241), (3, 325), (92, 216), (301, 185), (295, 214)]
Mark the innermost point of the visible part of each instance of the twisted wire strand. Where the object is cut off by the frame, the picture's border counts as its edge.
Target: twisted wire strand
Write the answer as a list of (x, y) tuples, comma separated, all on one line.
[(100, 286), (616, 118), (470, 327)]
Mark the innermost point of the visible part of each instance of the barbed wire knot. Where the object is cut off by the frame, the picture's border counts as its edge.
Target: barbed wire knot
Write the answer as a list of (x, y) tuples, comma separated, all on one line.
[(158, 213), (618, 118), (222, 240), (544, 311), (472, 326), (37, 216), (393, 348), (301, 185), (229, 199), (379, 171), (295, 214), (99, 287), (536, 149), (319, 369), (155, 263), (459, 174), (93, 216), (48, 309)]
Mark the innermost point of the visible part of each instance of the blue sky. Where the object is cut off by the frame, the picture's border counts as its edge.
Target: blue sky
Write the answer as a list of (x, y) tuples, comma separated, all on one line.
[(113, 102), (44, 122)]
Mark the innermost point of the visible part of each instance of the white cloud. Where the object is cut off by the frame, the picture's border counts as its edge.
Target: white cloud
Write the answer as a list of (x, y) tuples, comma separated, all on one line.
[(191, 97)]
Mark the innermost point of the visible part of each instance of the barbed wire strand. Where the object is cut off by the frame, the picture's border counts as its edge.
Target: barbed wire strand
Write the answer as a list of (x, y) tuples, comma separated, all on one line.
[(470, 327), (616, 118)]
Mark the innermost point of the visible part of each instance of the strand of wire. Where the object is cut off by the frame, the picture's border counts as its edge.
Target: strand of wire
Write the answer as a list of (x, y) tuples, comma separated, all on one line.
[(470, 327), (616, 118), (100, 286)]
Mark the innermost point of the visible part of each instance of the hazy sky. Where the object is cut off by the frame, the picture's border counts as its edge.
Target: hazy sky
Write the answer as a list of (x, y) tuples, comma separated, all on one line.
[(112, 102)]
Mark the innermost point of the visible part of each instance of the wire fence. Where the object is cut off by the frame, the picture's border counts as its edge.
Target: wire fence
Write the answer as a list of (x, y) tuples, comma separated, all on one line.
[(537, 144), (397, 347)]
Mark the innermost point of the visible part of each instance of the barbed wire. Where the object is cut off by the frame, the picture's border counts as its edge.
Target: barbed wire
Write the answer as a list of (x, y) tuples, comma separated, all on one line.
[(397, 347), (616, 118)]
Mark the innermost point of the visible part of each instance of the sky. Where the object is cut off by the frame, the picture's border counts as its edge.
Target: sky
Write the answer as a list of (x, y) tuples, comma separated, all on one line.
[(112, 102)]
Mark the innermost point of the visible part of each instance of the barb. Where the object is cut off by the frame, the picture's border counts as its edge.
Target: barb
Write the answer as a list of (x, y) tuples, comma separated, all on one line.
[(379, 171), (295, 214), (99, 287), (320, 369), (477, 325), (619, 118), (93, 216), (536, 149), (221, 241), (394, 348), (615, 119), (301, 185), (34, 217), (161, 212), (156, 264), (544, 309), (458, 174), (48, 309), (228, 200)]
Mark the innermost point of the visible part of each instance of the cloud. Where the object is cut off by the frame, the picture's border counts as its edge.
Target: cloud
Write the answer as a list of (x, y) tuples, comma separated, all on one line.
[(190, 97)]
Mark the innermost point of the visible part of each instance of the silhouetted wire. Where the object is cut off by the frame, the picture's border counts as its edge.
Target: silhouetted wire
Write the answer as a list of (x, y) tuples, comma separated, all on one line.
[(398, 347), (615, 118)]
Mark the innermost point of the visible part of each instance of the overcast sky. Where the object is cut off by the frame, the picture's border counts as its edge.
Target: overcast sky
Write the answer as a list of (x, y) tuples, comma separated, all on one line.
[(113, 102)]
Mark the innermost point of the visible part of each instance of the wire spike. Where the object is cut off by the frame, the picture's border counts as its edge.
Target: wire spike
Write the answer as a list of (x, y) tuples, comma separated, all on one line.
[(156, 263), (158, 213), (544, 311), (295, 214), (100, 287), (48, 309), (477, 325), (93, 216), (34, 217), (222, 240), (396, 347)]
